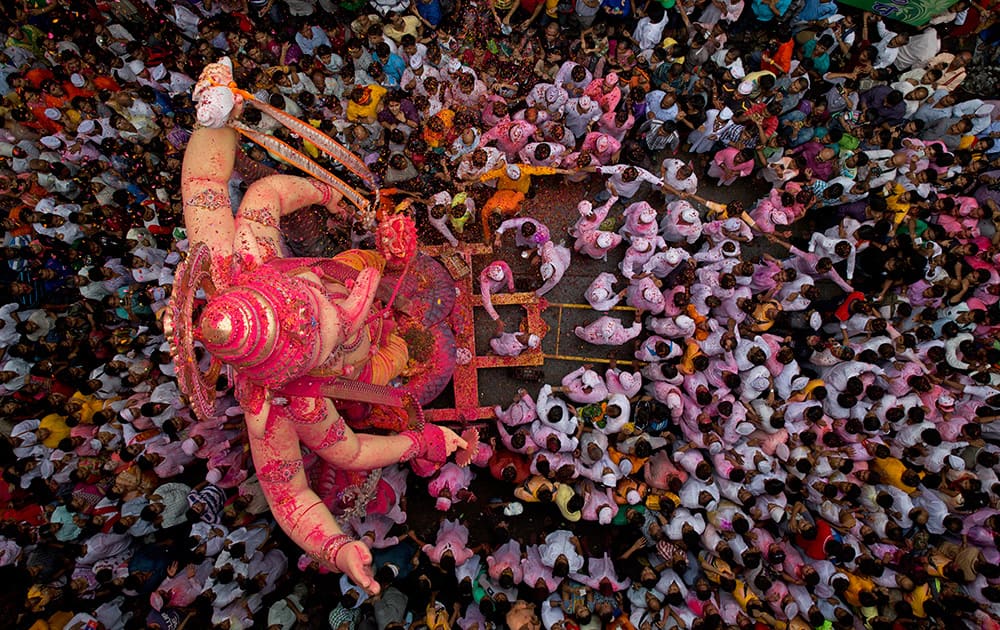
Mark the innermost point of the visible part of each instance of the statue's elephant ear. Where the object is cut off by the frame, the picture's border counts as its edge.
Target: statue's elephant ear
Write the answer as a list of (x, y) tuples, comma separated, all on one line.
[(355, 308)]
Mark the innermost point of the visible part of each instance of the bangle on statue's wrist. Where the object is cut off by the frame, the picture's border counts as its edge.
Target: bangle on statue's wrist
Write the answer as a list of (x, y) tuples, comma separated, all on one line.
[(332, 547)]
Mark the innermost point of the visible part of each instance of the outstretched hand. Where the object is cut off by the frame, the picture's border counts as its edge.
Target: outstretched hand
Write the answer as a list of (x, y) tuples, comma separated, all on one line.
[(452, 440), (355, 560)]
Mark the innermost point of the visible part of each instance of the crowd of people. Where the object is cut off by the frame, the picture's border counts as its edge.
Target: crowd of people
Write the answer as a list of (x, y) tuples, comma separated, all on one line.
[(810, 440)]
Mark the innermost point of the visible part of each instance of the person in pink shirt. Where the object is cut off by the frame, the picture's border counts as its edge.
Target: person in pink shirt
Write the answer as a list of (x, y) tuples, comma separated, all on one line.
[(681, 223), (640, 220), (513, 344), (608, 331), (639, 252), (601, 294), (621, 382), (505, 564), (522, 411), (445, 486), (616, 123), (584, 386), (534, 572), (602, 570), (596, 243), (605, 92), (510, 136), (527, 233), (555, 261), (591, 217), (453, 541), (492, 279), (644, 295), (772, 211), (603, 147), (729, 164)]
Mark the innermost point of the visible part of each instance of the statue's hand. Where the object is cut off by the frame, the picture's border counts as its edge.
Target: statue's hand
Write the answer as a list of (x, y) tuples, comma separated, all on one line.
[(355, 561), (452, 440), (216, 102)]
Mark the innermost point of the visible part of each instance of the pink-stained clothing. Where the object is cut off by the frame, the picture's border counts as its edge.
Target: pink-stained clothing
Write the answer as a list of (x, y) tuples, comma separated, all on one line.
[(607, 100), (725, 167), (521, 412), (559, 258), (557, 152), (548, 96), (508, 344), (589, 243), (601, 294), (608, 331), (506, 556), (533, 570), (590, 217), (488, 286), (644, 295), (640, 220), (602, 146), (661, 264), (510, 136), (621, 382), (584, 386), (598, 503), (454, 537), (681, 223), (374, 529), (608, 125), (451, 476), (769, 213), (564, 421), (640, 251), (489, 118), (540, 236), (602, 569)]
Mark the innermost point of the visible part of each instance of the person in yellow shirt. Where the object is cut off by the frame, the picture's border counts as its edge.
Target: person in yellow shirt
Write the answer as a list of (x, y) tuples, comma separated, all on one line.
[(517, 177), (363, 104)]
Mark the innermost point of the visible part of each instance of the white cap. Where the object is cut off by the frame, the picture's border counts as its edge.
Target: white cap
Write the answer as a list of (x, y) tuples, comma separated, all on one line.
[(604, 239), (189, 447), (673, 256), (689, 215), (52, 113), (158, 73), (736, 69), (601, 144), (51, 142), (732, 225), (600, 293), (85, 127), (77, 80), (547, 269), (513, 171), (815, 320), (585, 102), (609, 479), (534, 341), (495, 272), (454, 66), (633, 497), (136, 66), (585, 208), (725, 114), (745, 88), (648, 215), (416, 61)]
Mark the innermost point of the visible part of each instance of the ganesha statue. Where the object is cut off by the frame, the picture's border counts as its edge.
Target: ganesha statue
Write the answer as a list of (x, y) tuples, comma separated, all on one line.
[(307, 341)]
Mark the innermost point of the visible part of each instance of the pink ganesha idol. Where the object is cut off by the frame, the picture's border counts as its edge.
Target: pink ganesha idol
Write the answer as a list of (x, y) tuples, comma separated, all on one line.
[(296, 333)]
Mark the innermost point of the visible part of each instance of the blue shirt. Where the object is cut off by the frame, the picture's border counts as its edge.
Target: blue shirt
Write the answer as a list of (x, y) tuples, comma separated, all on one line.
[(763, 11)]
